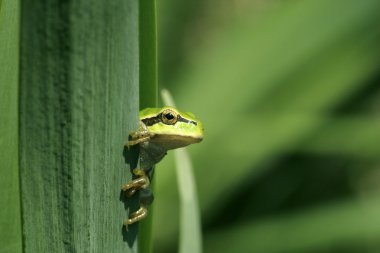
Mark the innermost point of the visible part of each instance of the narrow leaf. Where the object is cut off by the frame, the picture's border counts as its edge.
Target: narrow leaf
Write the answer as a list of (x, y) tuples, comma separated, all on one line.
[(148, 91), (190, 233)]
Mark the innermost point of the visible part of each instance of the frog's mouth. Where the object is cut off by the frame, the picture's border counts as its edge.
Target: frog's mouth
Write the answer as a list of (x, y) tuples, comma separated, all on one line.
[(175, 141)]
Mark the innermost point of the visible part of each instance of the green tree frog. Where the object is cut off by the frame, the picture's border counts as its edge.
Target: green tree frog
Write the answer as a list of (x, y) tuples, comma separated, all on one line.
[(160, 130)]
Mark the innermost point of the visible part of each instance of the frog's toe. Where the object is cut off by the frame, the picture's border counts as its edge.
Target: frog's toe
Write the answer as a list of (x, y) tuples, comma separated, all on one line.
[(139, 183), (130, 192), (136, 216)]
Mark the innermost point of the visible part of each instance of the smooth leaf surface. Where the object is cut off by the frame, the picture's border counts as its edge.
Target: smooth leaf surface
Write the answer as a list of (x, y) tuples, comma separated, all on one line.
[(148, 91), (148, 53)]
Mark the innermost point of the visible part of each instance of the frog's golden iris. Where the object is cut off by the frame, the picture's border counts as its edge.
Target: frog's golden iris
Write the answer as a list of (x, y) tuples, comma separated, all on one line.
[(169, 116)]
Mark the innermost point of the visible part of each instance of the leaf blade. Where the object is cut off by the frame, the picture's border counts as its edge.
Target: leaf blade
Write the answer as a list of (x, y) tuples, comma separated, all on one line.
[(190, 237), (10, 213)]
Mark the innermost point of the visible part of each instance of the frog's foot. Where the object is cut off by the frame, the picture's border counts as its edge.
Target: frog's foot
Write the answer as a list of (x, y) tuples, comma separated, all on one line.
[(136, 137), (141, 182), (136, 216), (141, 139)]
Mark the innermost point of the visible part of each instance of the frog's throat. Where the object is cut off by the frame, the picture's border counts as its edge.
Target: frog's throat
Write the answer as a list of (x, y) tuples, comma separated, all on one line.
[(174, 141)]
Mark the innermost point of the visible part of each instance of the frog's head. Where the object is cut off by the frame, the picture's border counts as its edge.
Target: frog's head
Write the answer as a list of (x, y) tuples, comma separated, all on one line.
[(172, 128)]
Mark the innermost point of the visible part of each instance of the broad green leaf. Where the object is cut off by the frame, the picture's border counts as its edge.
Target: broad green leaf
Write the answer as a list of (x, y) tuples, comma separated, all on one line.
[(10, 210), (78, 101)]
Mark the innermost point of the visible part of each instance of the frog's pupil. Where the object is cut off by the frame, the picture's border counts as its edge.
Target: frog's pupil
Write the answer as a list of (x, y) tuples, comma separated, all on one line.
[(169, 116)]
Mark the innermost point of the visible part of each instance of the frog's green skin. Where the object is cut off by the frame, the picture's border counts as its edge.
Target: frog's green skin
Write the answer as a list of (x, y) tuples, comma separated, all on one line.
[(161, 129)]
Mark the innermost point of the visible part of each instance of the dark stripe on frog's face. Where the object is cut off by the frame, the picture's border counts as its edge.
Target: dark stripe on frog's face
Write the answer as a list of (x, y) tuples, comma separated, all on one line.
[(157, 119)]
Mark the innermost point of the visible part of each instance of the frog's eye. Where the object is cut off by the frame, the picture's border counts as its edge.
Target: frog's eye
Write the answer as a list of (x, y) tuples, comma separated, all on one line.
[(169, 117)]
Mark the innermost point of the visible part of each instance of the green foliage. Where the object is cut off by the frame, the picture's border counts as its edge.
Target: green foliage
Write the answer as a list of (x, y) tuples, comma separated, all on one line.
[(78, 101), (148, 91), (288, 95), (82, 66), (10, 216), (288, 92), (148, 53), (190, 236), (318, 229)]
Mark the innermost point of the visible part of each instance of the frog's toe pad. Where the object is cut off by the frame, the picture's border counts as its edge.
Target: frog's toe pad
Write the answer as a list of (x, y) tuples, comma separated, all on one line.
[(136, 216)]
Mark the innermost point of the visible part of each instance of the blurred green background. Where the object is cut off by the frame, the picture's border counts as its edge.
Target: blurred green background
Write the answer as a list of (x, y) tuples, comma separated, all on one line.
[(290, 98)]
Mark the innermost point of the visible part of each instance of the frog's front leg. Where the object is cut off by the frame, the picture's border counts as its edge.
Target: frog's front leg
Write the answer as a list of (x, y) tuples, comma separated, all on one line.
[(141, 135)]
